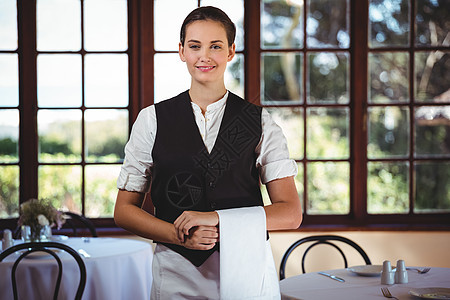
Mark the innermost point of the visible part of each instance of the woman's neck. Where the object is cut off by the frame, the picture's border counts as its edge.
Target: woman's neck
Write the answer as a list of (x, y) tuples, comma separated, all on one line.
[(205, 95)]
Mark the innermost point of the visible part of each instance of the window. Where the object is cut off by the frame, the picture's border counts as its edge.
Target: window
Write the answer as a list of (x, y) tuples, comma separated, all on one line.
[(359, 87), (366, 115), (408, 108), (74, 95)]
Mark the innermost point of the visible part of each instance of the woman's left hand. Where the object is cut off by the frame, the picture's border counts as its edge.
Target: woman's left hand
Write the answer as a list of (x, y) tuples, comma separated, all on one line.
[(190, 219)]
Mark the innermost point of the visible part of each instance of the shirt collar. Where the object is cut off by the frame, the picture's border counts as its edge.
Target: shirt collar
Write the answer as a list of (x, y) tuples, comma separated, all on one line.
[(213, 106)]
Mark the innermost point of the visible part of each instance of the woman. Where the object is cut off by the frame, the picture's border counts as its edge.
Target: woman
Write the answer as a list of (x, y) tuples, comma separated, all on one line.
[(203, 151)]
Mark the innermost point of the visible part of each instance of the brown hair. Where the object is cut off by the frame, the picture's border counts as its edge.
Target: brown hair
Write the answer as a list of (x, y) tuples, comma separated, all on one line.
[(209, 13)]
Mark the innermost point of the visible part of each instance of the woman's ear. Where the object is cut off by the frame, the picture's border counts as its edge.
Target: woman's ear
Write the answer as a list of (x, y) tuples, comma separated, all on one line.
[(181, 52), (231, 52)]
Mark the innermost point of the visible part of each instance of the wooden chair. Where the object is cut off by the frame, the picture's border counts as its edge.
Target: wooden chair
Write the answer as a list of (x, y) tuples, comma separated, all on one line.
[(76, 221), (318, 240), (46, 247)]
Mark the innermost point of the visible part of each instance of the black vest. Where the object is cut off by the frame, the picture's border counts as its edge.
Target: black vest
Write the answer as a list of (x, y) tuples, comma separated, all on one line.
[(186, 177)]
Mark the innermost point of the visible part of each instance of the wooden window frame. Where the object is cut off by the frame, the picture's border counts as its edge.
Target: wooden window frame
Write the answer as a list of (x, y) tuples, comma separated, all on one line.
[(141, 65)]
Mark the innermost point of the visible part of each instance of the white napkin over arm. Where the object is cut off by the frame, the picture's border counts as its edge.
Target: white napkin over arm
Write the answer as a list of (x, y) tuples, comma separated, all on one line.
[(247, 269)]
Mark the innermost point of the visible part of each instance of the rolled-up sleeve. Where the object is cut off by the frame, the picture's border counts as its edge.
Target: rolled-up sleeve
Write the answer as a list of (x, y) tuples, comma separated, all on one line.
[(273, 159), (135, 173)]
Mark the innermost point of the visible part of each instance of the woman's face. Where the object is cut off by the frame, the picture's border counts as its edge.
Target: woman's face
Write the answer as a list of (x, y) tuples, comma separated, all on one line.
[(206, 51)]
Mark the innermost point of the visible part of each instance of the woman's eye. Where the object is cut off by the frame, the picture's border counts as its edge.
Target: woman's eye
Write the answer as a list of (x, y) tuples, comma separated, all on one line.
[(216, 47), (194, 46)]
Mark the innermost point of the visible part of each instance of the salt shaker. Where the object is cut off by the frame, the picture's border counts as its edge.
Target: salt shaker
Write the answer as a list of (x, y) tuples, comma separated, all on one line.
[(401, 276), (7, 239), (387, 276)]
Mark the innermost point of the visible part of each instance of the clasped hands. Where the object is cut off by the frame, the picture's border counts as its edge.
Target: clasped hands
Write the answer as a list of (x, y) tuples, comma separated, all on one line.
[(197, 230)]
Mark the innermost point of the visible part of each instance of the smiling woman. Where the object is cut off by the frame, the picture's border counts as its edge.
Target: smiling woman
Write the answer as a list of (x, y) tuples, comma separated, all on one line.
[(359, 88)]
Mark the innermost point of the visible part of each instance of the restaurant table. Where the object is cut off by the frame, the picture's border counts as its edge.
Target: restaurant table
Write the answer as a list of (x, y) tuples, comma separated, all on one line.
[(315, 287), (118, 268)]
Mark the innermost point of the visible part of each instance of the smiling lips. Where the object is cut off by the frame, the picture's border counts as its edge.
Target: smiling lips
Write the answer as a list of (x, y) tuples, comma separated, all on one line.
[(205, 68)]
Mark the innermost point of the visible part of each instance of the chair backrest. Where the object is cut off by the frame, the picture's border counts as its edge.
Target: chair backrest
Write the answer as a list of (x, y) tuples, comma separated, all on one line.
[(74, 220), (46, 247), (318, 240)]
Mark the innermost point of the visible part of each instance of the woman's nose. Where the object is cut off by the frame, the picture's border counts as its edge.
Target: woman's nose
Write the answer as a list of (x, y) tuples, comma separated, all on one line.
[(205, 55)]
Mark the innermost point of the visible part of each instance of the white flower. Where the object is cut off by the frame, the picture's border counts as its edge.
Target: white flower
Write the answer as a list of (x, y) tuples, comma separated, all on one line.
[(42, 220)]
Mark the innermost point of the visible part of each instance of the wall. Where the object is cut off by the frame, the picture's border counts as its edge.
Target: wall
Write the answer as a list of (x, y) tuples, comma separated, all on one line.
[(415, 248)]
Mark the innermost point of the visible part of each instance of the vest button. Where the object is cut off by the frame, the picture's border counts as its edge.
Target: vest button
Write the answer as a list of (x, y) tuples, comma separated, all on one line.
[(213, 205), (212, 185)]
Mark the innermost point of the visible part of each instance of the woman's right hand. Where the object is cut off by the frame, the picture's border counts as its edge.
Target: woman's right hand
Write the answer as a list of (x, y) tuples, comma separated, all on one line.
[(201, 238)]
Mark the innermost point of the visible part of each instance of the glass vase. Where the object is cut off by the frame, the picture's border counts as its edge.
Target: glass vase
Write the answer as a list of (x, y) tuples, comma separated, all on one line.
[(36, 233)]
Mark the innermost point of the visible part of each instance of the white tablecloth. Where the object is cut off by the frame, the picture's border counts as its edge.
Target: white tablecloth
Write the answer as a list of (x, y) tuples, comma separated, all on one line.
[(315, 287), (117, 269)]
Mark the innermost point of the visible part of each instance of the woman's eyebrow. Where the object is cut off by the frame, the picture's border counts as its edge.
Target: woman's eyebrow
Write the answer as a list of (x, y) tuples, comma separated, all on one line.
[(212, 42)]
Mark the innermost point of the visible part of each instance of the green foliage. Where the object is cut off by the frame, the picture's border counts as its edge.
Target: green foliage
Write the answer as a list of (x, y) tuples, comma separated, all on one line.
[(53, 145), (328, 188), (9, 191), (388, 188), (432, 192), (8, 146), (61, 184), (101, 191)]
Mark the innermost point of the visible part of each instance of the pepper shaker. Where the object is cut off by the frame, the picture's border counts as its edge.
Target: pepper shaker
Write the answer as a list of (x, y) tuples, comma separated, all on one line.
[(7, 239), (401, 276), (387, 276)]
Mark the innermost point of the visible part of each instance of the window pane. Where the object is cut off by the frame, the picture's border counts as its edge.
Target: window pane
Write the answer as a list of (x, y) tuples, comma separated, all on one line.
[(59, 135), (101, 190), (106, 134), (327, 133), (62, 185), (9, 80), (8, 25), (388, 23), (168, 21), (58, 25), (171, 76), (328, 78), (59, 80), (291, 122), (234, 75), (432, 187), (432, 131), (388, 132), (235, 10), (388, 77), (432, 73), (105, 25), (9, 193), (9, 135), (432, 22), (281, 78), (106, 80), (328, 188), (328, 24), (281, 24), (387, 188)]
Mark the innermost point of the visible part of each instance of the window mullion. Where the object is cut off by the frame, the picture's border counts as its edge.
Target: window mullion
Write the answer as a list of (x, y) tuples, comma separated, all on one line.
[(252, 51), (28, 139), (359, 50)]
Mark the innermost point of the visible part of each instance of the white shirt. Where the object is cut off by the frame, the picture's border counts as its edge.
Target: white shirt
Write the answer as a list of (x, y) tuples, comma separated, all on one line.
[(273, 160)]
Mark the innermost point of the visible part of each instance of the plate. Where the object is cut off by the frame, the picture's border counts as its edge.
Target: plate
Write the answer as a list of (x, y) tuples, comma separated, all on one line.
[(59, 238), (367, 270), (431, 293), (39, 254)]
